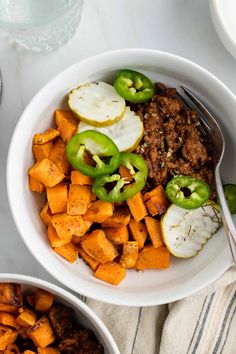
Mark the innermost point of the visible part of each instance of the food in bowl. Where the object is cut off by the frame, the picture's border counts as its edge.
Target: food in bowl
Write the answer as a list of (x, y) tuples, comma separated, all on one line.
[(35, 323), (129, 182)]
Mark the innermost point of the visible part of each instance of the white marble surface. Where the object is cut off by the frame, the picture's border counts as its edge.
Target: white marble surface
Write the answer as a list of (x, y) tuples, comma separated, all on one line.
[(183, 27)]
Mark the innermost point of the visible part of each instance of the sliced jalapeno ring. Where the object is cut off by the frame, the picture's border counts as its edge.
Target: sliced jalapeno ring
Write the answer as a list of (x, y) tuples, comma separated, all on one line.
[(230, 195), (187, 192)]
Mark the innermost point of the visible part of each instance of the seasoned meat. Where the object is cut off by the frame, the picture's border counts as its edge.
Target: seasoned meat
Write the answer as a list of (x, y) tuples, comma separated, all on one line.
[(172, 143), (80, 342), (61, 320)]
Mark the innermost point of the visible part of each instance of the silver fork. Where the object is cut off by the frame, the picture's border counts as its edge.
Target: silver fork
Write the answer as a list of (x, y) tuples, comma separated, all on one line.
[(210, 128)]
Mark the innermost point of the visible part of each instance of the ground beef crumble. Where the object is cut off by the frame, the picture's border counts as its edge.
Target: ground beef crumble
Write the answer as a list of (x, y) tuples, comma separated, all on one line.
[(172, 143)]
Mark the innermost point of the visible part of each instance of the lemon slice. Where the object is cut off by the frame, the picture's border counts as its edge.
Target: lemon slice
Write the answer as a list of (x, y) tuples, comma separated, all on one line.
[(126, 133), (185, 231), (97, 103)]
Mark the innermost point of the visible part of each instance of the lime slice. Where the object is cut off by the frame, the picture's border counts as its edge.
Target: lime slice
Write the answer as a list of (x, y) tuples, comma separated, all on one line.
[(97, 103), (126, 133), (185, 231)]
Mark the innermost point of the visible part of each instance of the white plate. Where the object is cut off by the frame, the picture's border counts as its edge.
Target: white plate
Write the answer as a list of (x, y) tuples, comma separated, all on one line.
[(150, 287), (223, 14)]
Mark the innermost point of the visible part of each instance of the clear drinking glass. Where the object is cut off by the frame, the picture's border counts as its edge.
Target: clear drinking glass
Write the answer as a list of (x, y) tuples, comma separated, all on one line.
[(40, 24)]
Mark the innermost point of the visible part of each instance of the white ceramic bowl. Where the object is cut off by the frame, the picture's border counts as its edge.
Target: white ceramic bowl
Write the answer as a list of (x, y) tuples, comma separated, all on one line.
[(150, 287), (85, 316)]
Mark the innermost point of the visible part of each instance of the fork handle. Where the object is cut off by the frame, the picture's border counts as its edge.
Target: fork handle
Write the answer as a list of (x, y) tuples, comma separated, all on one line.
[(226, 215)]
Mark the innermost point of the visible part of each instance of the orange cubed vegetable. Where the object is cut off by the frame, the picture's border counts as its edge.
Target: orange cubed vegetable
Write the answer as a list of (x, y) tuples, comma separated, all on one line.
[(57, 198), (93, 263), (48, 351), (99, 247), (99, 211), (41, 333), (31, 300), (76, 238), (67, 124), (48, 135), (137, 207), (41, 151), (139, 232), (8, 319), (110, 272), (79, 199), (120, 217), (10, 297), (12, 349), (78, 178), (35, 185), (58, 156), (69, 251), (130, 254), (7, 337), (125, 173), (26, 317), (29, 352), (117, 235), (151, 258), (45, 214), (54, 240), (156, 201), (43, 300), (46, 172), (68, 225), (154, 231)]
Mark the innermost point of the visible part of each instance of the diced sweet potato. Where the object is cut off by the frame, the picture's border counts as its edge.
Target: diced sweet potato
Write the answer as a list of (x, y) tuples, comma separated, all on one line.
[(99, 211), (56, 241), (156, 201), (35, 185), (58, 156), (110, 272), (48, 351), (125, 173), (117, 235), (79, 199), (45, 214), (26, 317), (68, 225), (57, 198), (93, 263), (139, 232), (7, 337), (12, 349), (67, 124), (120, 217), (31, 300), (69, 251), (76, 238), (46, 172), (29, 352), (8, 319), (22, 332), (154, 231), (151, 257), (41, 151), (78, 178), (43, 300), (137, 207), (130, 254), (48, 135), (98, 246), (41, 333), (10, 297)]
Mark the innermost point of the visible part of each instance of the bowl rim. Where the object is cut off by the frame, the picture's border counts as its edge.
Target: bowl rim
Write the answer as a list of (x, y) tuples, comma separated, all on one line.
[(88, 293), (60, 292)]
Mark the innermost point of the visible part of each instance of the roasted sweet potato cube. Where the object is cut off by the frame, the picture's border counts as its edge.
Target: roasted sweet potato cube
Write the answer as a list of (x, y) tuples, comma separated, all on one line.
[(79, 199), (130, 254), (68, 225), (7, 337), (10, 297), (54, 240), (43, 300), (137, 207), (31, 300), (26, 317), (48, 135), (99, 211), (58, 155), (98, 246), (110, 272), (29, 352), (8, 319), (154, 231), (35, 185), (125, 173), (12, 349), (151, 258), (93, 263), (48, 351), (45, 214), (139, 232), (57, 198), (69, 251), (120, 217), (67, 124), (156, 201), (41, 151), (41, 333), (46, 172), (117, 235), (78, 178)]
